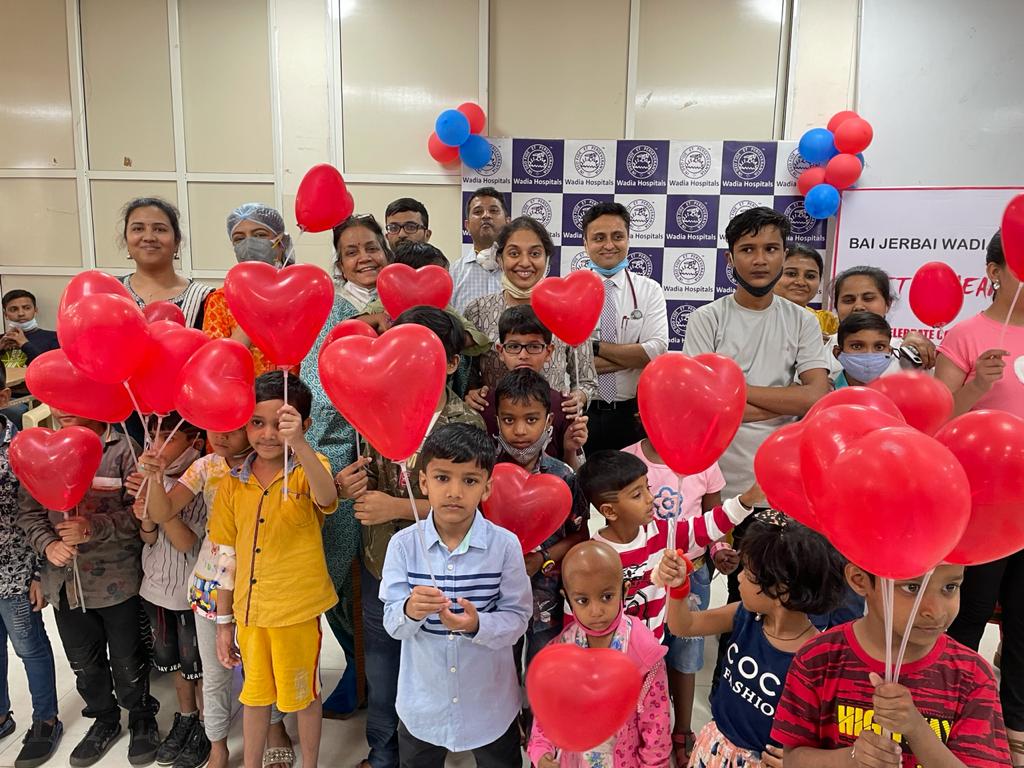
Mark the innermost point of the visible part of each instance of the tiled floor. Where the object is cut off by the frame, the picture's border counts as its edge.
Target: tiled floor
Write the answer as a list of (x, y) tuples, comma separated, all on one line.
[(343, 744)]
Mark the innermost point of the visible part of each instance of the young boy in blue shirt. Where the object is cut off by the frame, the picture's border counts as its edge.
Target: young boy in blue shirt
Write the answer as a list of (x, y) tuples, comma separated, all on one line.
[(457, 685)]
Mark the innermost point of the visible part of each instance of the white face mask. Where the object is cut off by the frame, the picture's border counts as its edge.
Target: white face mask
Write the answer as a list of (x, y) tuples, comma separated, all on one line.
[(28, 325)]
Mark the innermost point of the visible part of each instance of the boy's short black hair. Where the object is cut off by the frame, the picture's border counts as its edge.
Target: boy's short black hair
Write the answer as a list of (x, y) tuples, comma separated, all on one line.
[(417, 255), (521, 386), (407, 205), (604, 208), (444, 326), (805, 251), (862, 321), (606, 473), (522, 320), (169, 422), (793, 564), (270, 386), (487, 192), (461, 444), (753, 221), (18, 293)]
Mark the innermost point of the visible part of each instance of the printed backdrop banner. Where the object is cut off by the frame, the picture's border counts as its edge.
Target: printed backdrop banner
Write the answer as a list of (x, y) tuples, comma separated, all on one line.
[(680, 196), (899, 229)]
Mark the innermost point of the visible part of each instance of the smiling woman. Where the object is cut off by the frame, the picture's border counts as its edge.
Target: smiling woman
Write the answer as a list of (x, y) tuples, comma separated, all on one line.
[(361, 251), (800, 282), (152, 236)]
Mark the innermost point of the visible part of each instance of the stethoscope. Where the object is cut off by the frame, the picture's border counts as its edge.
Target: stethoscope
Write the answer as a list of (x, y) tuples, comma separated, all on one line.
[(637, 313)]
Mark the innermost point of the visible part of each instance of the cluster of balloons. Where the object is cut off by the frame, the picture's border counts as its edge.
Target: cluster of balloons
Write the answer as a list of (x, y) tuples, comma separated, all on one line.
[(861, 468), (836, 161), (457, 136), (322, 200)]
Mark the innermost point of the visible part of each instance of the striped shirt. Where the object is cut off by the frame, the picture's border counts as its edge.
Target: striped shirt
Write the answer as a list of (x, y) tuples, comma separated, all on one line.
[(190, 301), (827, 701), (472, 281), (458, 690)]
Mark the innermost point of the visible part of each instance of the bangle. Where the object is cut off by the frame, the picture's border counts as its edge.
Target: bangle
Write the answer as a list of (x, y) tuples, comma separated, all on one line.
[(151, 530), (225, 618)]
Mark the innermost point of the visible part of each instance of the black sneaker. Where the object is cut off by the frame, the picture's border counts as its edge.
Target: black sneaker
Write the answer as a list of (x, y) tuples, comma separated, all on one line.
[(95, 744), (145, 741), (196, 753), (176, 740), (7, 726), (39, 744)]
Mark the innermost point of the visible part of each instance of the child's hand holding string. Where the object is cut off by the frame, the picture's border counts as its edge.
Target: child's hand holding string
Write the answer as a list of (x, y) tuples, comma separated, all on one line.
[(895, 708), (872, 750), (674, 569), (468, 621), (425, 601), (289, 426), (352, 481)]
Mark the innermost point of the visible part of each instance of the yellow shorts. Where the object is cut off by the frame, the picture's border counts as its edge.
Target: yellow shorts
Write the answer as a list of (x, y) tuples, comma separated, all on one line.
[(281, 665)]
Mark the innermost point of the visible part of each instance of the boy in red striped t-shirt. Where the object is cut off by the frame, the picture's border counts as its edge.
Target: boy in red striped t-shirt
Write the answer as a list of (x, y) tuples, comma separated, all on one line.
[(944, 711)]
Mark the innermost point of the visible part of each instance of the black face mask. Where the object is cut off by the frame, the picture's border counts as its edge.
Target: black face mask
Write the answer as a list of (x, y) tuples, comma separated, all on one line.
[(754, 290)]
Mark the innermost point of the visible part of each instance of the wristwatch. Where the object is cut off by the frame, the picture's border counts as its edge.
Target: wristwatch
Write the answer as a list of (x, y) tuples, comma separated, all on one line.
[(595, 345)]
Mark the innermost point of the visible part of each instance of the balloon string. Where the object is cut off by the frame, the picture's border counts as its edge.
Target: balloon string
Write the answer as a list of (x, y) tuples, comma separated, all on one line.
[(888, 596), (673, 521), (75, 574), (138, 410), (359, 451), (1006, 324), (145, 481), (421, 536), (284, 484), (910, 625), (131, 445)]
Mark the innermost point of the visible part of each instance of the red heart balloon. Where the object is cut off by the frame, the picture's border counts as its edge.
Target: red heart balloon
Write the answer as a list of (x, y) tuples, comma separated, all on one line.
[(215, 387), (401, 287), (925, 402), (888, 516), (281, 310), (89, 282), (104, 336), (691, 408), (57, 468), (322, 200), (570, 306), (1013, 236), (155, 383), (936, 294), (778, 470), (869, 398), (163, 310), (531, 506), (825, 436), (55, 381), (387, 388), (990, 447), (351, 327), (582, 696)]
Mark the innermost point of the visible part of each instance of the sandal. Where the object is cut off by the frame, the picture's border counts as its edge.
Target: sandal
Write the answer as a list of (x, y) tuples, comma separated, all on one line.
[(686, 742), (278, 756)]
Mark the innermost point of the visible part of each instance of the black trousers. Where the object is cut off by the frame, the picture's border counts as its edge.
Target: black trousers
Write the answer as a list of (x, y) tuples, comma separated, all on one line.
[(503, 752), (106, 653), (1001, 581), (612, 426)]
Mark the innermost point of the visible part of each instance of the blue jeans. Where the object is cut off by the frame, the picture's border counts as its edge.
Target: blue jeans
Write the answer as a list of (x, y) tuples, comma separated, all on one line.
[(28, 636), (383, 654), (686, 654)]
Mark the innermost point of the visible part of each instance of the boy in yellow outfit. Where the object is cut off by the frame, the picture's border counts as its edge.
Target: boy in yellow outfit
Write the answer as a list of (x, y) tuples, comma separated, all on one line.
[(281, 580)]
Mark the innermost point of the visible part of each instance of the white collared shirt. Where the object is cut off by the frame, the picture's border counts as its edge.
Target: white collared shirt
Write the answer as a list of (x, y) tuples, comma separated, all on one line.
[(650, 330)]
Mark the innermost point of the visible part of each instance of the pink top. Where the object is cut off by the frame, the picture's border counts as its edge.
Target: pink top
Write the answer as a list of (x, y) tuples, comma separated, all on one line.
[(965, 341)]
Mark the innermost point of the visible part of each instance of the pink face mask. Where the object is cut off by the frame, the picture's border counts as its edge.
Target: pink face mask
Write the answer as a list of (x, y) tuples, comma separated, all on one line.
[(607, 630)]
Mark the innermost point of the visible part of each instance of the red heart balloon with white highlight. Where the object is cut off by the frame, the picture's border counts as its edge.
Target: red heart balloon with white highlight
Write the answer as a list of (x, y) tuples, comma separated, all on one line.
[(170, 347), (387, 388), (401, 287), (531, 506), (350, 327), (57, 468), (281, 310), (570, 306), (53, 380), (215, 387)]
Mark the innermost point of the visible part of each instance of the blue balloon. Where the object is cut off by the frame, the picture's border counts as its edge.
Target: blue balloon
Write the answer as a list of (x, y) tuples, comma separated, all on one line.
[(475, 151), (452, 127), (860, 156), (822, 201), (817, 146)]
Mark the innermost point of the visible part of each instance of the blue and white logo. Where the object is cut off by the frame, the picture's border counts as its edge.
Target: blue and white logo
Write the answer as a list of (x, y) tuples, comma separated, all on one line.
[(640, 264), (642, 161), (741, 207), (695, 161), (729, 273), (748, 162), (689, 269), (692, 216), (796, 164), (680, 317), (493, 165), (580, 210), (579, 261), (538, 160), (801, 222), (538, 208), (589, 160), (641, 215)]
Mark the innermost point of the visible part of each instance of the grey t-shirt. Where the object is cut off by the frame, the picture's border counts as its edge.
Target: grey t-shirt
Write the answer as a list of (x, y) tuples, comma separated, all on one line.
[(772, 347)]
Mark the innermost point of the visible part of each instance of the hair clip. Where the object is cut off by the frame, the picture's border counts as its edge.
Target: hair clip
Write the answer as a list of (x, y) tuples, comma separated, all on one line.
[(772, 517)]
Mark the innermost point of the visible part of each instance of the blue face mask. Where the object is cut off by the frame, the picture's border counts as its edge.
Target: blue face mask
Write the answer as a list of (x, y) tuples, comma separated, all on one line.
[(610, 271), (865, 366)]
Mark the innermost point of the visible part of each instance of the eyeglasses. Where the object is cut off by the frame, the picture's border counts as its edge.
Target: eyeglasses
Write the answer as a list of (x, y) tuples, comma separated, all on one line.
[(533, 348), (409, 227)]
